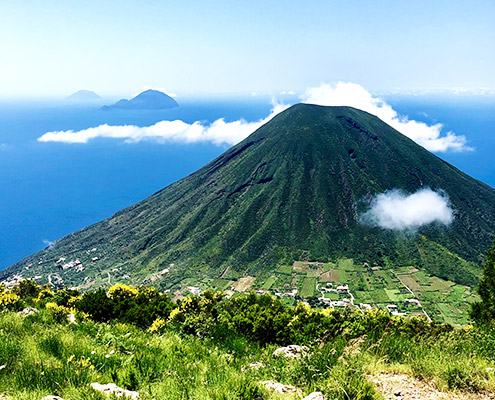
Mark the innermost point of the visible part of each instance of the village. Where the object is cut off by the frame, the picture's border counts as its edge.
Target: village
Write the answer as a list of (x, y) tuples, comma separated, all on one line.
[(402, 291)]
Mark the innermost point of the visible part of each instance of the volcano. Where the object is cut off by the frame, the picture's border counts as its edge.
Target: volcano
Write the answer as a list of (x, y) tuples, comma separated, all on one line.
[(294, 189)]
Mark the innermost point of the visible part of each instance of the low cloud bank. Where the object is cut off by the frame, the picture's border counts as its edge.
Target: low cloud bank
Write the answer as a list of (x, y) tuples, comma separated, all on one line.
[(354, 95), (399, 211), (219, 132)]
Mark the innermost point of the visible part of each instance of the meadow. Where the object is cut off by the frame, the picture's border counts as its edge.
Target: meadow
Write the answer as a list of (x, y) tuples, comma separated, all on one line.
[(211, 347)]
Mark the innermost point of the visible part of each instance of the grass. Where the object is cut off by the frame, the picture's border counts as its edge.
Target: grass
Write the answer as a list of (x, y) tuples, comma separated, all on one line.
[(342, 276), (285, 269), (43, 357), (221, 284), (345, 263), (269, 282), (308, 287)]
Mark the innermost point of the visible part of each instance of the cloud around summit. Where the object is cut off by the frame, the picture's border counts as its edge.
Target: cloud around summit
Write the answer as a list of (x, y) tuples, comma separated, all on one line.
[(397, 210), (354, 95)]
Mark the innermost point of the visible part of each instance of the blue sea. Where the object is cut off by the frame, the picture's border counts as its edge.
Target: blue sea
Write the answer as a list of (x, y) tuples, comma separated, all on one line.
[(48, 190)]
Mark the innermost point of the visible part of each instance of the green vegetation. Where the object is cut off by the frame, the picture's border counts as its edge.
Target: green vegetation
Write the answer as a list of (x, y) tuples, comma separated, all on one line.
[(308, 287), (441, 300), (292, 191), (484, 311), (203, 348)]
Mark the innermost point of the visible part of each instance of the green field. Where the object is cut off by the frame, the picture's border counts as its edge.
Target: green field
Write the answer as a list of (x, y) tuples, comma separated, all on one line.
[(444, 301), (308, 287), (221, 284), (285, 269), (269, 282)]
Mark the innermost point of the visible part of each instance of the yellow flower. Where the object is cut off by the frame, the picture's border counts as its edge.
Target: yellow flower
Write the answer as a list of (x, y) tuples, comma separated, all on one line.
[(121, 290), (175, 312), (8, 298), (157, 325)]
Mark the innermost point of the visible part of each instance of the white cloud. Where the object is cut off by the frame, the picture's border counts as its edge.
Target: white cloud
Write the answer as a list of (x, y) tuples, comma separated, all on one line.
[(354, 95), (219, 132), (49, 243), (397, 210), (222, 132)]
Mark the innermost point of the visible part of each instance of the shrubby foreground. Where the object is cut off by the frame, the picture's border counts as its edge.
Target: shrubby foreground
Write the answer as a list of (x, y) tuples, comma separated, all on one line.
[(211, 347)]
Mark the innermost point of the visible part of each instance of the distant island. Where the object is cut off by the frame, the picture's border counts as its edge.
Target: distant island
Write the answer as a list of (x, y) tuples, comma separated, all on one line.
[(84, 96), (148, 100)]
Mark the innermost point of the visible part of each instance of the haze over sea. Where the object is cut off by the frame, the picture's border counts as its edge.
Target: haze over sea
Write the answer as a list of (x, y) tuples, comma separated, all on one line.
[(48, 190)]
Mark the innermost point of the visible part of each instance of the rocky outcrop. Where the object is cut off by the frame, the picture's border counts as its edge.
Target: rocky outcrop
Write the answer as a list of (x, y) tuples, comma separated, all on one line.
[(112, 389), (28, 311), (291, 351)]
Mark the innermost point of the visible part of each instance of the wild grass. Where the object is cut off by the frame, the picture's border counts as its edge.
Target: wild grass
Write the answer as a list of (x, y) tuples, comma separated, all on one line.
[(204, 348)]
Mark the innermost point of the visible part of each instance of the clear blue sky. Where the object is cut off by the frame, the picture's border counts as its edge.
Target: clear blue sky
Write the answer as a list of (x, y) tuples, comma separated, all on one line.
[(50, 47)]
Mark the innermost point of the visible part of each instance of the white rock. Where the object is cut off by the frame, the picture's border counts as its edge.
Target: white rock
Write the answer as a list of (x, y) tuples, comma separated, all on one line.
[(4, 397), (112, 388), (291, 351), (71, 318), (315, 396), (28, 311), (256, 365), (52, 398), (279, 387)]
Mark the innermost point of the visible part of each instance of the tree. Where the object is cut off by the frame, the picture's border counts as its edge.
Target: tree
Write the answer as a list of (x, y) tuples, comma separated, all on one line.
[(484, 311)]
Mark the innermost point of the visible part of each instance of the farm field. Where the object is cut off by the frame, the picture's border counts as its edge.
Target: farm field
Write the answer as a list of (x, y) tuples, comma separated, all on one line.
[(371, 286)]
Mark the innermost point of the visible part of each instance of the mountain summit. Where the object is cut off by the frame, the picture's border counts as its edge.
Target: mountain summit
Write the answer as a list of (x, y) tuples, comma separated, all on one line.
[(147, 100), (294, 189)]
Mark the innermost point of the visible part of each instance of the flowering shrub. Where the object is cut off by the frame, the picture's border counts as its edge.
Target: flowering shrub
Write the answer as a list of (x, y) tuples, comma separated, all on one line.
[(59, 312), (8, 300), (121, 291)]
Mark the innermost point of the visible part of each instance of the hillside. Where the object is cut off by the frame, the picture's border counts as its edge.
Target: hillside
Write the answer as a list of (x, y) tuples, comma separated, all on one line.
[(212, 347), (147, 100), (293, 190)]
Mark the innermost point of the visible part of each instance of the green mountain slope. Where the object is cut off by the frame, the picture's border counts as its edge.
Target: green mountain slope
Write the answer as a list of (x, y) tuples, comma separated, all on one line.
[(293, 189)]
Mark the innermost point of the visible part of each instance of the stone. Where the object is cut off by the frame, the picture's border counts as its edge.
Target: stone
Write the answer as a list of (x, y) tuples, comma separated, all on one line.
[(71, 318), (28, 311), (315, 396), (255, 365), (291, 351), (280, 388), (112, 388), (52, 398)]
